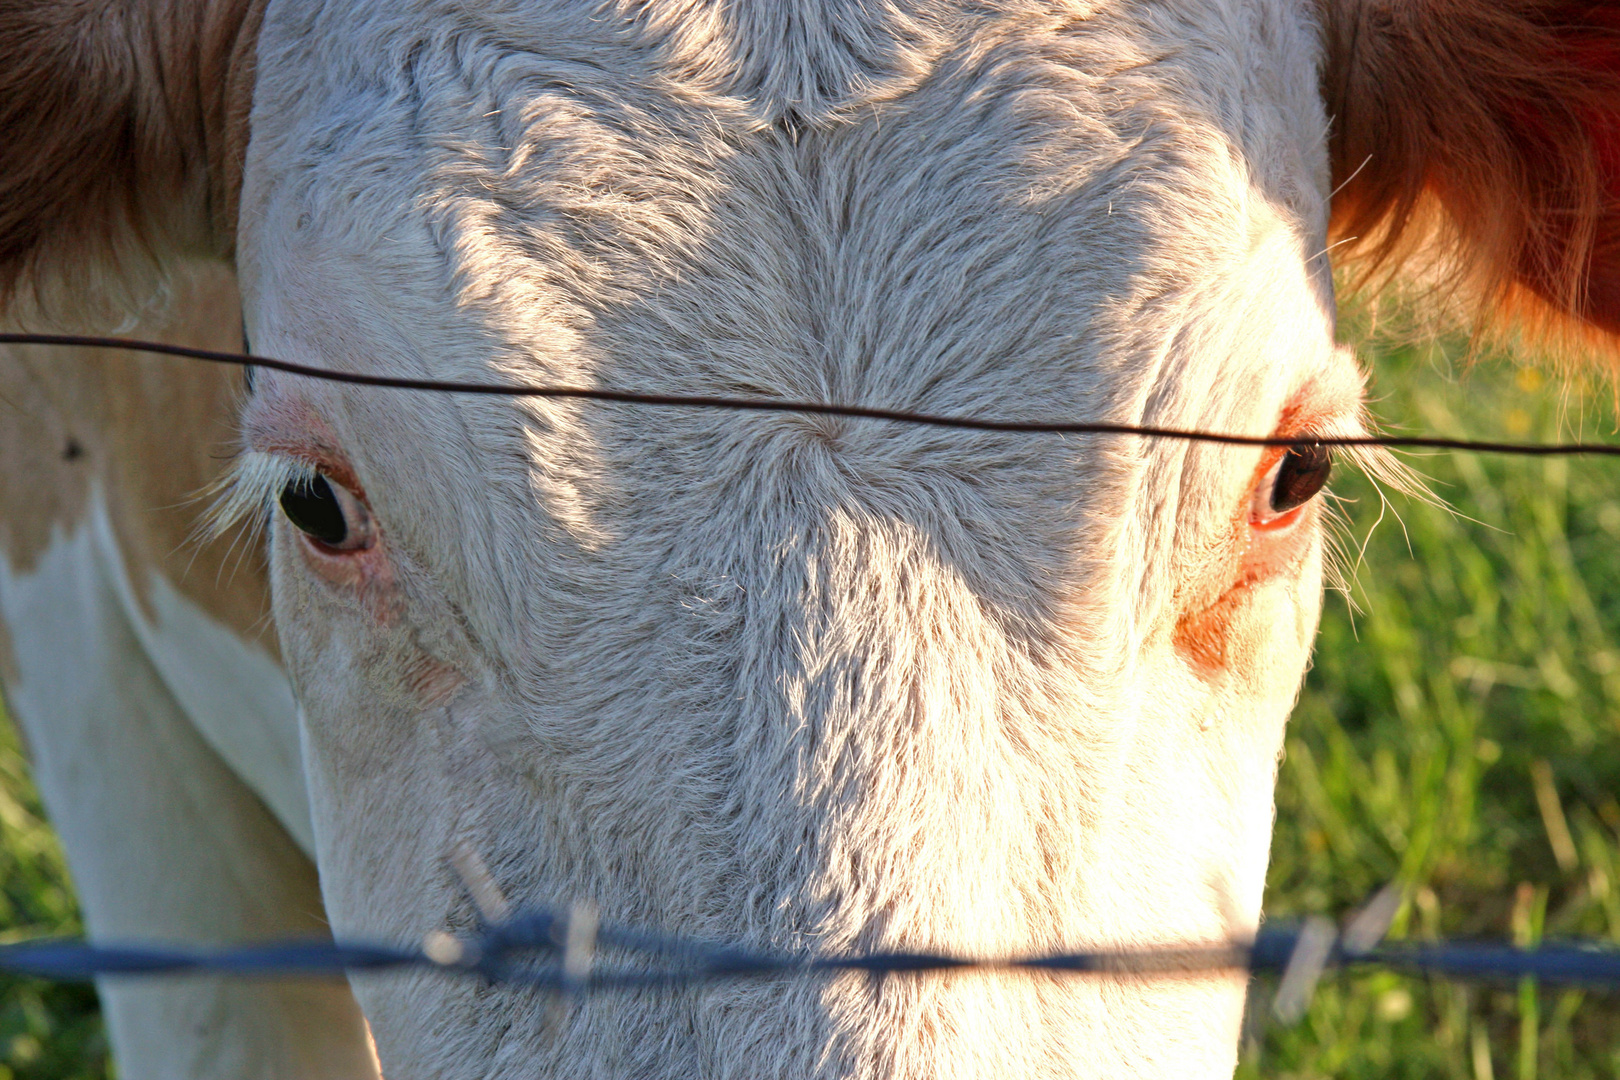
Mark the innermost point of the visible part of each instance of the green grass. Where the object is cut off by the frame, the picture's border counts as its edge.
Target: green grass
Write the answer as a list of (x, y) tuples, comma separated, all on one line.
[(46, 1032), (1460, 735)]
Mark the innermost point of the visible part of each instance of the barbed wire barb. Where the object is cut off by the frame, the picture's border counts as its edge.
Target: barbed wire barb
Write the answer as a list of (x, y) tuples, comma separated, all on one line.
[(1367, 927), (1313, 948)]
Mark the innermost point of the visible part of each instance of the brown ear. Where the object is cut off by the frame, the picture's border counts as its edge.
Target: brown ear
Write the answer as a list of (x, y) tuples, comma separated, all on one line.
[(1485, 136), (122, 129)]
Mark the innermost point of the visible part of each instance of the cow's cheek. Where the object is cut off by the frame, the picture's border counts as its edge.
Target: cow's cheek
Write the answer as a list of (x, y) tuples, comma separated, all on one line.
[(1242, 716), (1199, 763), (399, 781), (371, 745), (1272, 655), (1253, 637)]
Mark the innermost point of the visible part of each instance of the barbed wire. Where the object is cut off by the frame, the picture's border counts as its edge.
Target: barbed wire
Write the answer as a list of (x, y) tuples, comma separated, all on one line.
[(858, 412), (562, 952)]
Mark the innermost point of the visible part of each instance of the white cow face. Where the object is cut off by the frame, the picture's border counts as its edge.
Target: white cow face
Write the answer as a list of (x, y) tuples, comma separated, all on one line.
[(780, 680), (783, 680)]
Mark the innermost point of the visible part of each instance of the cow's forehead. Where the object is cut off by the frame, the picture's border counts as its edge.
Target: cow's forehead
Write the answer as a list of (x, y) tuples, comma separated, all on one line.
[(1108, 213), (593, 155), (570, 166)]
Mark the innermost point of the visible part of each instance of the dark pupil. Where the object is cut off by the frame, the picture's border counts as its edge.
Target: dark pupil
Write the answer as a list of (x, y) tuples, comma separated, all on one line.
[(1304, 470), (310, 505)]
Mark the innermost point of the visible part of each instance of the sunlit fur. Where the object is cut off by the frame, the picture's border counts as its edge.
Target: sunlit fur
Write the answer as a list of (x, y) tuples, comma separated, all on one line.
[(781, 680)]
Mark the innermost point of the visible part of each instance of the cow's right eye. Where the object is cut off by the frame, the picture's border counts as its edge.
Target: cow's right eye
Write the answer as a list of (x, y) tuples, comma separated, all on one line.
[(1301, 473), (1293, 480), (328, 514)]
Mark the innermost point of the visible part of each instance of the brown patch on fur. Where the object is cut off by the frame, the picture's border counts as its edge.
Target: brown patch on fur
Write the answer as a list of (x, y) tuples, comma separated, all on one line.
[(125, 126), (1481, 138), (1204, 637), (150, 433), (1210, 587), (433, 681)]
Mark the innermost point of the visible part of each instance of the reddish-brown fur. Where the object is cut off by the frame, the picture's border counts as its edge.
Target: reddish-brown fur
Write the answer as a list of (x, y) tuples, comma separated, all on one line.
[(124, 126), (1483, 135)]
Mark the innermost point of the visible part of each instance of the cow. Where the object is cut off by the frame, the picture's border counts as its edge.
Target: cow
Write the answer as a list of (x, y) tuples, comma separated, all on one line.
[(788, 681)]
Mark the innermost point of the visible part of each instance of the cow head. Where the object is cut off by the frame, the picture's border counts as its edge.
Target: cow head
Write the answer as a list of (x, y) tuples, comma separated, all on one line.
[(793, 681)]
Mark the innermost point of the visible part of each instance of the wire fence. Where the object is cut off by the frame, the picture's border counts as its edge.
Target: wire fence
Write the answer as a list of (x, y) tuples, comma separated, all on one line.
[(575, 953)]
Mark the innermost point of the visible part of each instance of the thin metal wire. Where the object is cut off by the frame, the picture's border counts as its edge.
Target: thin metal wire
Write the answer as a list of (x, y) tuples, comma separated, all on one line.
[(532, 949), (859, 412)]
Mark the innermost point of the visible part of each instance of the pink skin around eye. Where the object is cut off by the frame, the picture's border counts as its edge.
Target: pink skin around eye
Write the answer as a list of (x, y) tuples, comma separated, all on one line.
[(1261, 517), (1265, 546), (1275, 545), (273, 423), (362, 530), (365, 570), (1277, 541), (1281, 521)]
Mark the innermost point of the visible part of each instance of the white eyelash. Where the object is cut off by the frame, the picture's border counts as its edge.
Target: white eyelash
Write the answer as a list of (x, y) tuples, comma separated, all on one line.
[(248, 490), (1344, 554)]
